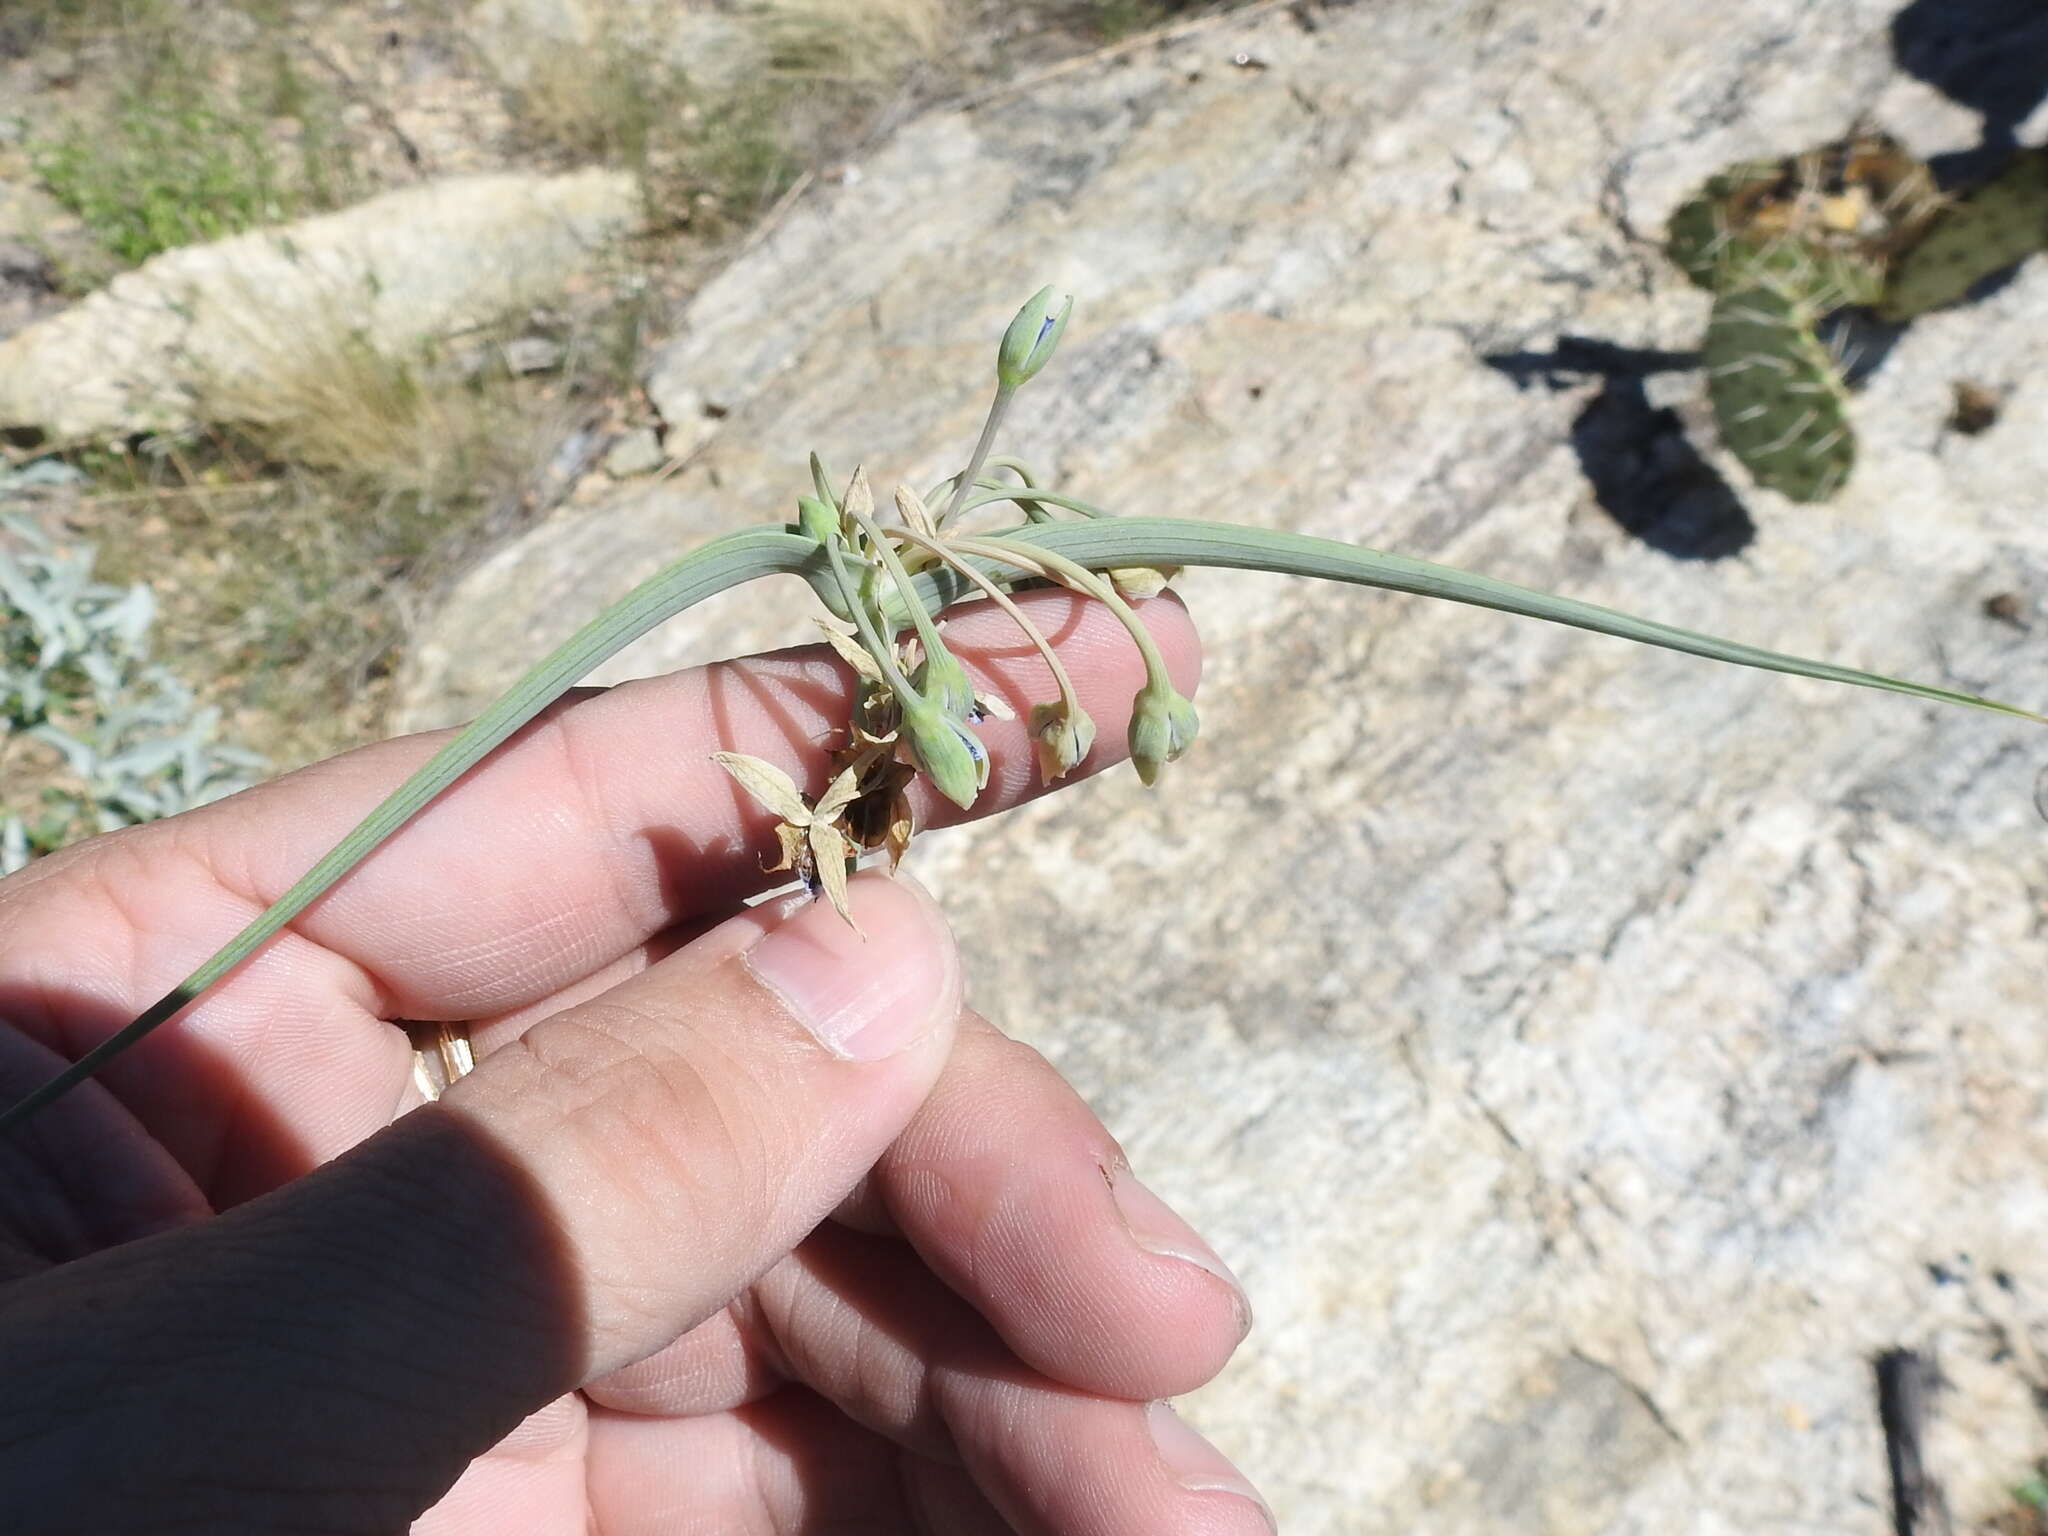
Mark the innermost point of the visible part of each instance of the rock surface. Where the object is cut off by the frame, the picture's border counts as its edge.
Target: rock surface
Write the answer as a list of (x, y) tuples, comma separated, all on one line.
[(1590, 1058), (205, 332)]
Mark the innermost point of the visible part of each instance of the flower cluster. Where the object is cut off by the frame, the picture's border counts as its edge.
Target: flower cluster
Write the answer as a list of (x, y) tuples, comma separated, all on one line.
[(917, 705)]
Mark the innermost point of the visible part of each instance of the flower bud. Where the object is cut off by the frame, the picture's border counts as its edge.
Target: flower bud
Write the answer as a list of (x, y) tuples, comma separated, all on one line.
[(950, 755), (816, 520), (1163, 725), (1028, 344), (941, 678), (1062, 737)]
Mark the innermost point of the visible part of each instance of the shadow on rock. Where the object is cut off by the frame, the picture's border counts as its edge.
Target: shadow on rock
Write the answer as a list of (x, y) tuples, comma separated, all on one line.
[(1645, 472), (1983, 54), (1988, 55), (1860, 340)]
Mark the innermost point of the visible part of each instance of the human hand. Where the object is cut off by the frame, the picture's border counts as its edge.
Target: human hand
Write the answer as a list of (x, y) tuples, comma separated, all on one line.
[(594, 1286)]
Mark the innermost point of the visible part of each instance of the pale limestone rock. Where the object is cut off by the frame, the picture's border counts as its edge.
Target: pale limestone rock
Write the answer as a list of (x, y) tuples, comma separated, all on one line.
[(1589, 1057), (637, 452), (532, 354), (222, 330), (714, 49)]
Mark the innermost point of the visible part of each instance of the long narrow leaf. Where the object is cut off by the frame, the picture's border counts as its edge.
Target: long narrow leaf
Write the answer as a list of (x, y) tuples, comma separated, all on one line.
[(1110, 542)]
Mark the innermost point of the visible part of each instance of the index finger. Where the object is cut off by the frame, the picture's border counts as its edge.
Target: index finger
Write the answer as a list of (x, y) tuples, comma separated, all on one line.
[(602, 823)]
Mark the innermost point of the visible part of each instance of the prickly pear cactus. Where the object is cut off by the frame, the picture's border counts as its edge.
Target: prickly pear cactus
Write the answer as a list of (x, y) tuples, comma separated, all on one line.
[(1777, 393), (1820, 278), (1704, 230), (2002, 222), (1822, 223), (1782, 243)]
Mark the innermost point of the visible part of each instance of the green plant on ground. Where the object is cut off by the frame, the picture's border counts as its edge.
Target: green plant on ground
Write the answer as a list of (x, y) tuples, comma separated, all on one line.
[(917, 709), (2028, 1513), (1778, 394), (183, 154), (156, 175), (28, 24), (75, 677), (1784, 244), (704, 160), (334, 487), (2002, 222)]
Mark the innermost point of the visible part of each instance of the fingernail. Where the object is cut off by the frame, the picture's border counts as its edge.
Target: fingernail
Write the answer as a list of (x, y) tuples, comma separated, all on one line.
[(1156, 1229), (862, 999), (1196, 1464)]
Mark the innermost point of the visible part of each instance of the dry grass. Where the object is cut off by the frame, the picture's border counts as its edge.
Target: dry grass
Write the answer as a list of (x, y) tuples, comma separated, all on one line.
[(719, 126), (291, 545), (339, 487), (868, 42), (320, 396)]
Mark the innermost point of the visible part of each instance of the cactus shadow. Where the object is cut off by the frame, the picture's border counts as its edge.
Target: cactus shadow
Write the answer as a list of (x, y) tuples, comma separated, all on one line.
[(1988, 55), (1643, 468), (1860, 341)]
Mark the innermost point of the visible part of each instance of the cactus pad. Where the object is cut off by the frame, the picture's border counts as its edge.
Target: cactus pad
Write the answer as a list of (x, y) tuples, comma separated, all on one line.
[(1777, 393), (2001, 222), (1820, 224), (1816, 277), (1702, 230)]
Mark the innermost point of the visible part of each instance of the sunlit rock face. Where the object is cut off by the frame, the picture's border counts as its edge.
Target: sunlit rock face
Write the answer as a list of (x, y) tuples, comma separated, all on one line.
[(242, 329), (1589, 1057)]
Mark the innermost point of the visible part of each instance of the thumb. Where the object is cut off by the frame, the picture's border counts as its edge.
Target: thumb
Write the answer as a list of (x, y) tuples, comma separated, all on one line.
[(685, 1130), (584, 1197)]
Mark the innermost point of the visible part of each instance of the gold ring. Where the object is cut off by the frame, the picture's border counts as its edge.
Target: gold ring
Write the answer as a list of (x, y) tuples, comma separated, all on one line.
[(441, 1053)]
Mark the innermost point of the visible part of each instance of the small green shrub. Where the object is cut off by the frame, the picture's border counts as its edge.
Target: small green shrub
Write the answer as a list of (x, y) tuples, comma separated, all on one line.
[(153, 179), (75, 676), (178, 159)]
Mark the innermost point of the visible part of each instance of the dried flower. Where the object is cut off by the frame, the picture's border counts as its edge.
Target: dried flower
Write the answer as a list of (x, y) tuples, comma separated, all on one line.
[(849, 651), (1137, 582), (916, 515), (1062, 736), (812, 841)]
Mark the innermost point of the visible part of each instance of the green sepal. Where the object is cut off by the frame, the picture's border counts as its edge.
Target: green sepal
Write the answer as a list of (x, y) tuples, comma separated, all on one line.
[(948, 753)]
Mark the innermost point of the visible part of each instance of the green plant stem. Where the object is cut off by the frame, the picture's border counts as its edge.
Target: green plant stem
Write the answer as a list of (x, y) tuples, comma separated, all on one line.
[(1026, 496), (737, 558), (877, 643), (998, 408), (992, 590), (900, 579), (994, 462), (1109, 543), (724, 562), (1070, 573)]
